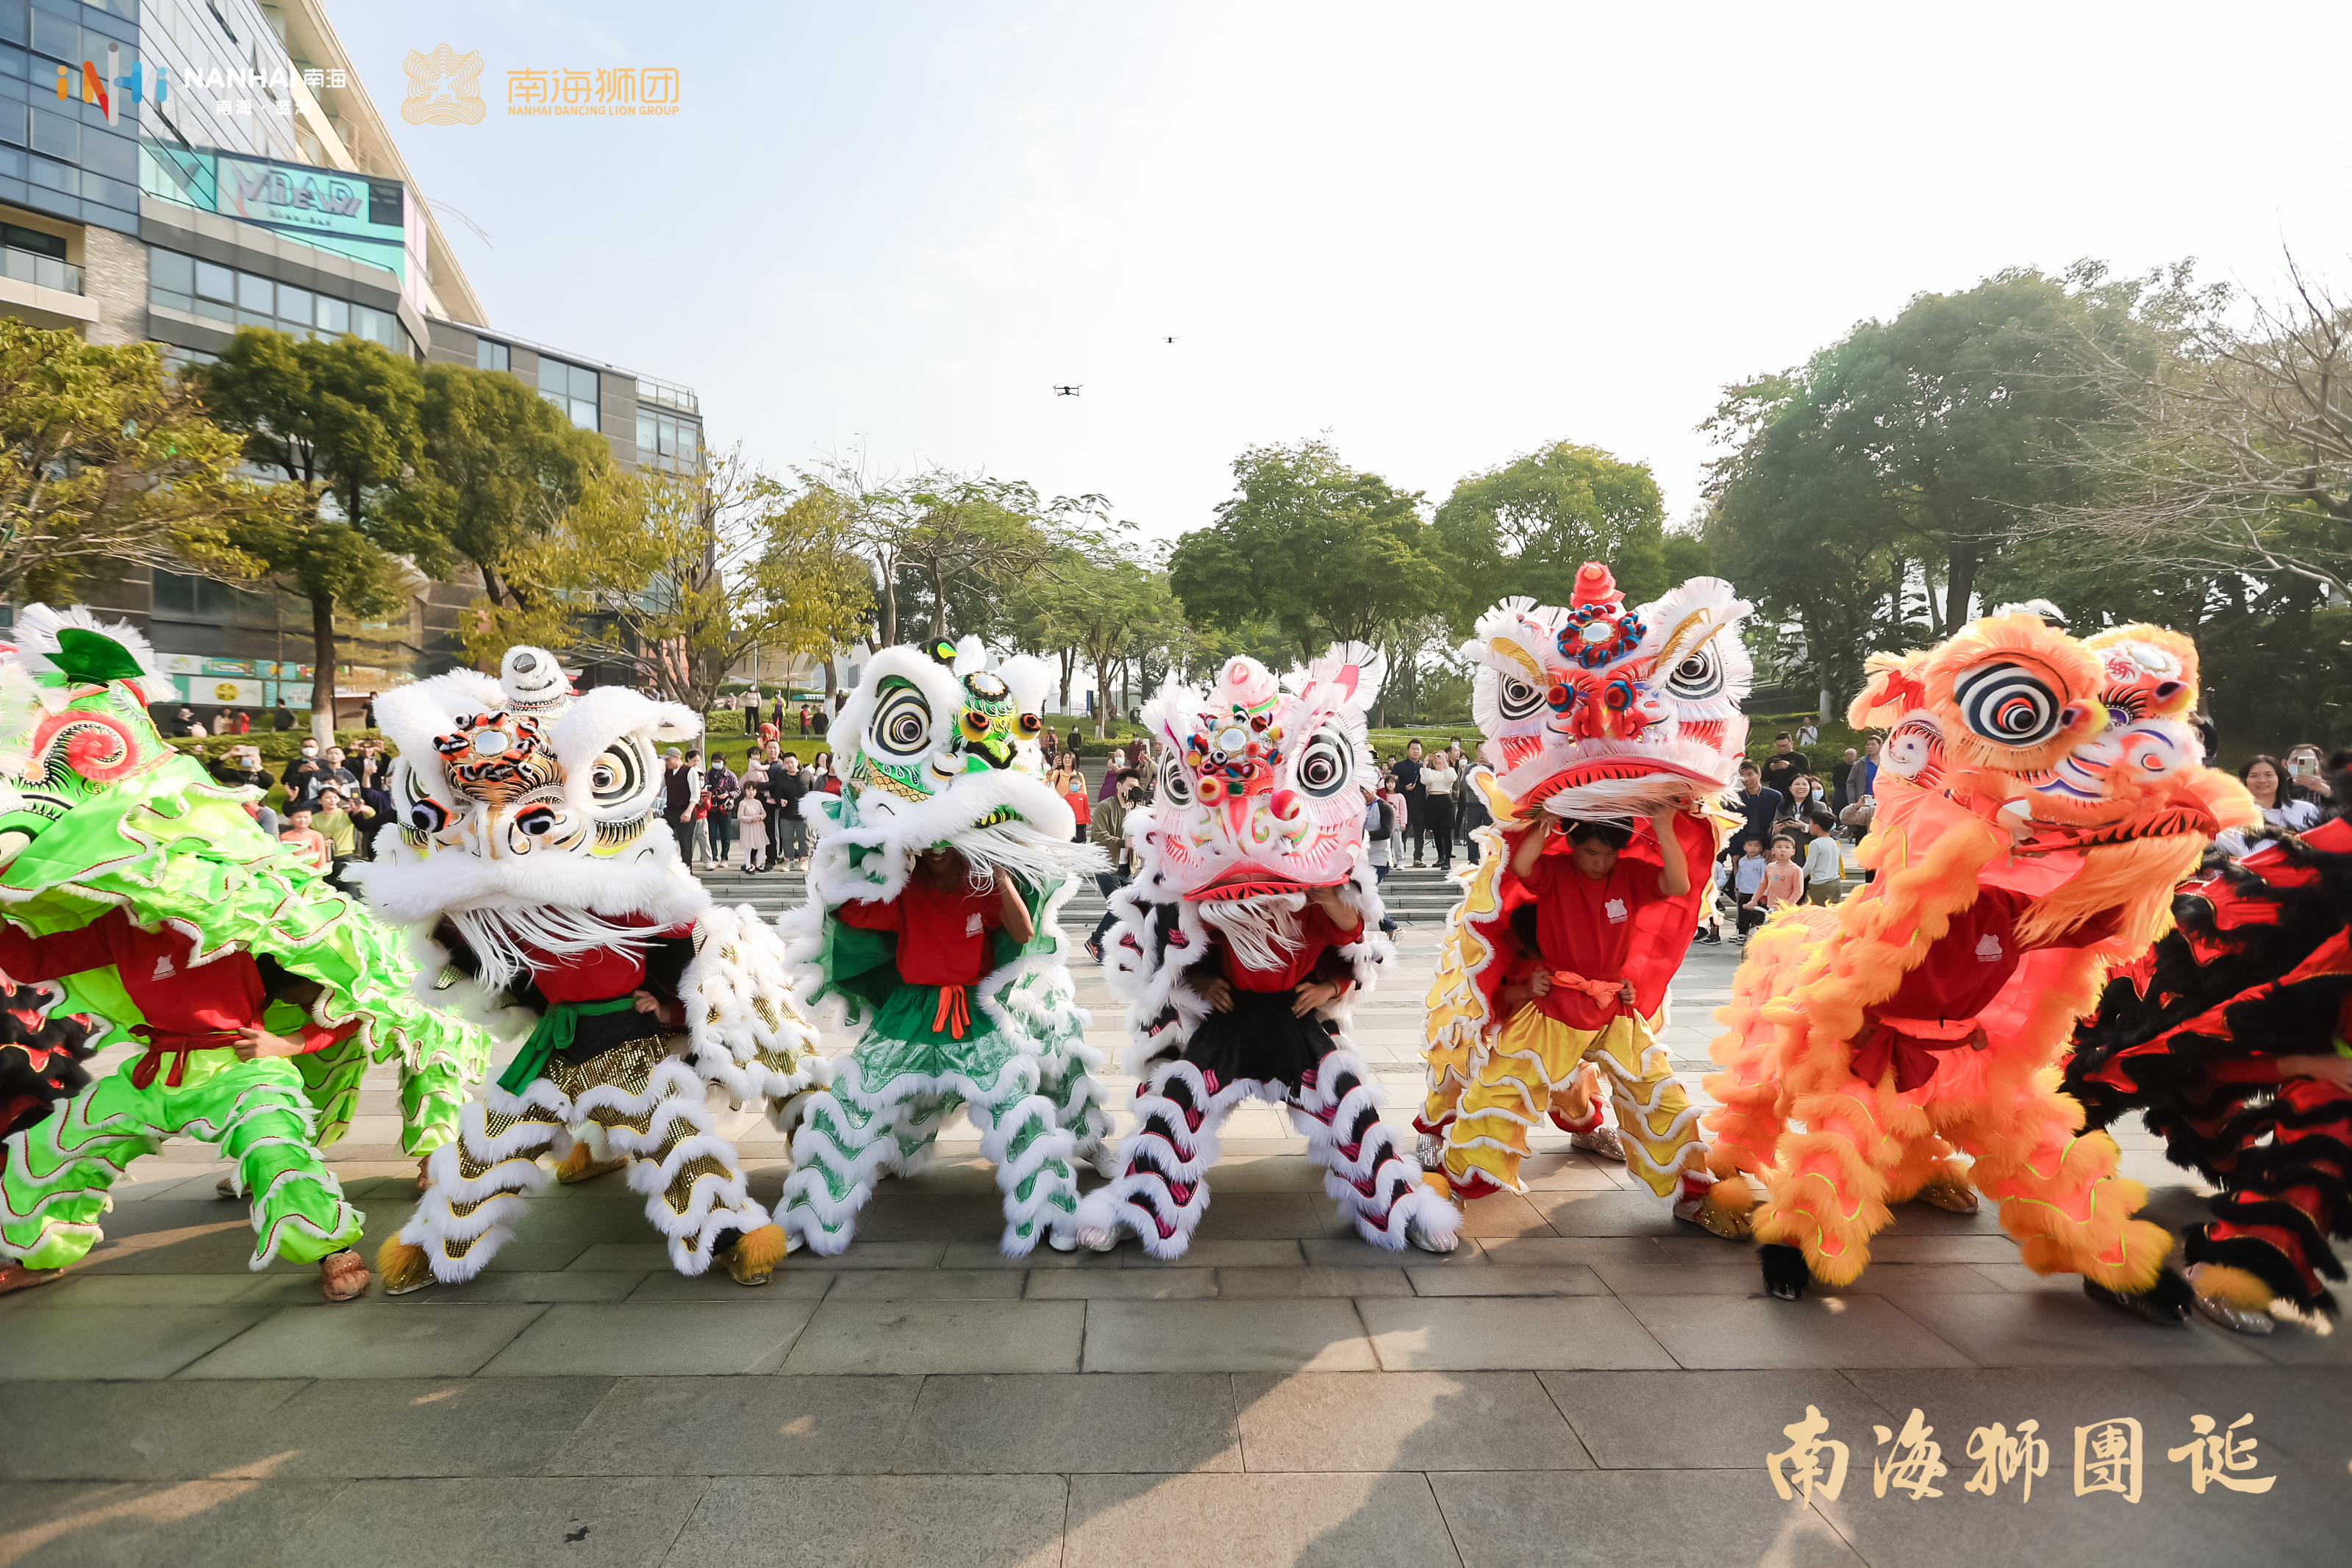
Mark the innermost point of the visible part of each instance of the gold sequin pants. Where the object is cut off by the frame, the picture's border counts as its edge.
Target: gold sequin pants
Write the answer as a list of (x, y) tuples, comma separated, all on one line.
[(646, 1106)]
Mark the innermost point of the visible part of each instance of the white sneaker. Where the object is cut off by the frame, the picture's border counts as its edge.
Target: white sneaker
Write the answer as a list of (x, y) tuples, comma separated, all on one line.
[(1431, 1147), (1418, 1237)]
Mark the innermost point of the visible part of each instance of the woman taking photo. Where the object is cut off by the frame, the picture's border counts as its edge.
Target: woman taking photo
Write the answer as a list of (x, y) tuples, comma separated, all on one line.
[(2283, 813)]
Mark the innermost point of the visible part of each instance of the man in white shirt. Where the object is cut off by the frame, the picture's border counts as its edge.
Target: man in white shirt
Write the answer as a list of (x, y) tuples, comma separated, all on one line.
[(1824, 866)]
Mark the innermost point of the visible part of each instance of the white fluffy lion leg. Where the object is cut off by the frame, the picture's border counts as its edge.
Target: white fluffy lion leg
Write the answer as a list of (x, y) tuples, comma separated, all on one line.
[(693, 1183), (1374, 1183), (1020, 1136), (479, 1177), (840, 1150), (1161, 1189)]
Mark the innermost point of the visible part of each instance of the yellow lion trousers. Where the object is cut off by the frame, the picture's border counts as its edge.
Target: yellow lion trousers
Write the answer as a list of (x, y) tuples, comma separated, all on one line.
[(1514, 1080)]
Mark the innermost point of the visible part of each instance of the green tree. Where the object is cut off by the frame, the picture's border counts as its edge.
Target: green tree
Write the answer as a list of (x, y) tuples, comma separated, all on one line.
[(1527, 526), (680, 576), (1907, 453), (970, 539), (1324, 551), (342, 422), (1039, 615), (108, 460), (508, 464)]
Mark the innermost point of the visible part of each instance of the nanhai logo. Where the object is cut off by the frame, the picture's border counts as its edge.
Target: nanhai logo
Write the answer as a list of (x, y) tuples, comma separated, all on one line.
[(94, 85), (445, 87)]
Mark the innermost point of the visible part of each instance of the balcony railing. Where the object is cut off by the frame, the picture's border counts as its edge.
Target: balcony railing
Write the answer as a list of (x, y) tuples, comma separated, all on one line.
[(667, 394), (47, 271)]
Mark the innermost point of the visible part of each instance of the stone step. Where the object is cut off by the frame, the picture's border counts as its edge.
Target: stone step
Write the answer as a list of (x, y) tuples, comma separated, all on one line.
[(771, 893)]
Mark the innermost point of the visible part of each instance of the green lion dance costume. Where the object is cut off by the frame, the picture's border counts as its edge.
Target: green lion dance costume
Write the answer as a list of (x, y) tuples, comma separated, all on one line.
[(260, 992), (934, 891)]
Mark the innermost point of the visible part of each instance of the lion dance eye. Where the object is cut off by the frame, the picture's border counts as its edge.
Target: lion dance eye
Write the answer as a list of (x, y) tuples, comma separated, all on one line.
[(2008, 703), (902, 729), (617, 775), (1698, 678), (1175, 784), (1518, 699), (1325, 766), (428, 816)]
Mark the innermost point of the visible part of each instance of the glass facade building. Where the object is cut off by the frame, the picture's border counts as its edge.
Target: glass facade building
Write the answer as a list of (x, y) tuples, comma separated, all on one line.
[(177, 171)]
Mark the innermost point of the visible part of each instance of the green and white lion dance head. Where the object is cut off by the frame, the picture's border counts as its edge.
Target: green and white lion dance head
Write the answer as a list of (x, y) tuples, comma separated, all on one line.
[(936, 750)]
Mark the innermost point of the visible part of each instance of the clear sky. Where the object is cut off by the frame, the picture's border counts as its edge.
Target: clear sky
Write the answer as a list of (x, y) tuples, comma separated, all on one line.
[(1444, 234)]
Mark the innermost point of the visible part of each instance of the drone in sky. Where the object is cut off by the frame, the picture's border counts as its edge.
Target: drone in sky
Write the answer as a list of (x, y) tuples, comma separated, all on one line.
[(1066, 391)]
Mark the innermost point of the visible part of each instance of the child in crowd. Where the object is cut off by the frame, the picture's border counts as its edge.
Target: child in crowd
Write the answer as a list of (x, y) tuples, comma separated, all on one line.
[(751, 814), (1783, 882), (1747, 882), (308, 844), (1824, 867)]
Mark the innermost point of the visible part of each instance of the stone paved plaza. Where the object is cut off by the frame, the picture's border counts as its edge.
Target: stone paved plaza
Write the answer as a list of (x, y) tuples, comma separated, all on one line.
[(1583, 1381)]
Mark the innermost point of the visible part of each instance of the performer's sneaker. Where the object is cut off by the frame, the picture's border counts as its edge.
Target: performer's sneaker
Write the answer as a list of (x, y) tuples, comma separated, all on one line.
[(1601, 1142), (403, 1266), (2238, 1301), (1092, 1239), (1430, 1147), (226, 1188), (582, 1164), (2165, 1303), (1418, 1237), (17, 1277), (755, 1254), (1472, 1186), (1705, 1205), (343, 1276), (2238, 1319)]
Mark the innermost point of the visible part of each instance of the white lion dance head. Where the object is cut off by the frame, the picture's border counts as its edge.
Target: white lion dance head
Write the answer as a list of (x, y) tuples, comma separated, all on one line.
[(1265, 782), (527, 815), (936, 750), (1602, 711)]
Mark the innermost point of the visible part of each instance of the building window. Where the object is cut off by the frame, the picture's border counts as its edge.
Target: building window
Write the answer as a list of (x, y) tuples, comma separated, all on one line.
[(572, 388), (223, 294), (491, 355), (664, 442), (34, 240), (184, 597)]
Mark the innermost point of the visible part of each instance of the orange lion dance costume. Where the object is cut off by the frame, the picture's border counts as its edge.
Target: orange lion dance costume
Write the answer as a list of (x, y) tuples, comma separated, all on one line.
[(2037, 799)]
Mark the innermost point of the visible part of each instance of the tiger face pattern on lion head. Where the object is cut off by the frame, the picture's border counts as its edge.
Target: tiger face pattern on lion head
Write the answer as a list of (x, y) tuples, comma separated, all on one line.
[(527, 814)]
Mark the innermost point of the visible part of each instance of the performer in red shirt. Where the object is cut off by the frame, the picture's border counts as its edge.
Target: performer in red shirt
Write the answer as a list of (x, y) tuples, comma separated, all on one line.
[(211, 1071), (1264, 990), (1609, 932), (934, 1042)]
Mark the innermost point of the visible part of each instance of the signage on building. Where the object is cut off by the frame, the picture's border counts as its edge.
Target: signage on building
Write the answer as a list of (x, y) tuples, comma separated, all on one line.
[(318, 201)]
